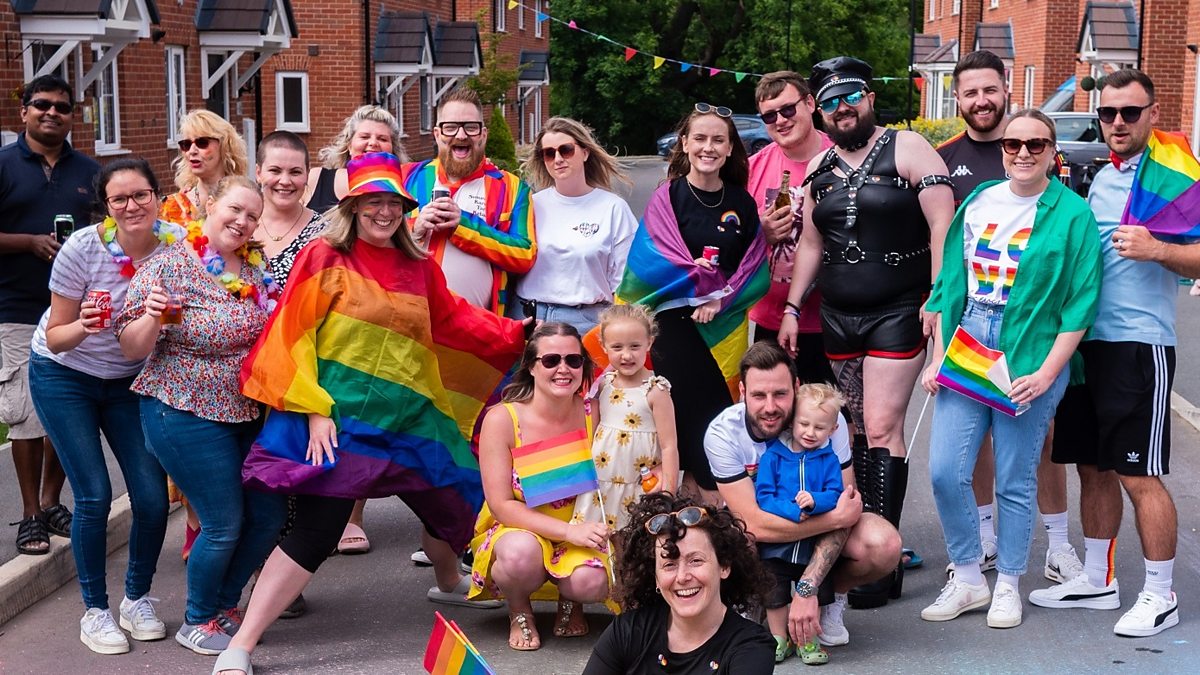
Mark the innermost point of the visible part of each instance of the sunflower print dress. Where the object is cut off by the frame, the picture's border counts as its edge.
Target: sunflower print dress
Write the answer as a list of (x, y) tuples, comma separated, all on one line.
[(625, 441)]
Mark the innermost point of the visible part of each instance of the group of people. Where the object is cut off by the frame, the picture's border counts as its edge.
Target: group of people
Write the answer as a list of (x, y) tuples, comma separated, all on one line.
[(737, 366)]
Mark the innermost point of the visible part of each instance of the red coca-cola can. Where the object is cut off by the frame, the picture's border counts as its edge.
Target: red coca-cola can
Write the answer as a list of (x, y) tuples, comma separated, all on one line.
[(103, 300), (711, 254)]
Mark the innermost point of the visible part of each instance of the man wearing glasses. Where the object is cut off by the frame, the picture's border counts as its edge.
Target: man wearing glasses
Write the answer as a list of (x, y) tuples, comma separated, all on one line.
[(41, 177), (474, 218), (1116, 428)]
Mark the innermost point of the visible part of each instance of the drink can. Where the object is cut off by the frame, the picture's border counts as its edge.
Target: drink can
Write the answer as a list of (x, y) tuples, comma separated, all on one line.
[(64, 225), (711, 254), (440, 192), (103, 301)]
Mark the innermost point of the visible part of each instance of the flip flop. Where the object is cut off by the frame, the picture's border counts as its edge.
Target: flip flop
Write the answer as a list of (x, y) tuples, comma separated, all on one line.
[(233, 659), (914, 561), (524, 621), (354, 541)]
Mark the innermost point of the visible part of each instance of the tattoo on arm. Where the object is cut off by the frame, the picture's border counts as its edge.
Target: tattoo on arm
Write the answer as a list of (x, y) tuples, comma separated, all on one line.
[(825, 553)]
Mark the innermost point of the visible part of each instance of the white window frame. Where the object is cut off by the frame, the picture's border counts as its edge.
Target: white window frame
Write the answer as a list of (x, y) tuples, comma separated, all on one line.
[(1030, 72), (500, 7), (63, 71), (225, 83), (537, 25), (521, 18), (955, 7), (995, 4), (425, 87), (301, 127), (176, 66), (932, 10), (106, 145)]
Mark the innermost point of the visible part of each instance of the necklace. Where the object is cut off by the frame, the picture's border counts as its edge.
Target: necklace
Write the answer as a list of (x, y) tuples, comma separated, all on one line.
[(289, 230), (710, 206), (251, 252), (167, 233)]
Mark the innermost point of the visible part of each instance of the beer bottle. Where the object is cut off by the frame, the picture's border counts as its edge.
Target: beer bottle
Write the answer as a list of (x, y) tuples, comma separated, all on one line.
[(784, 198)]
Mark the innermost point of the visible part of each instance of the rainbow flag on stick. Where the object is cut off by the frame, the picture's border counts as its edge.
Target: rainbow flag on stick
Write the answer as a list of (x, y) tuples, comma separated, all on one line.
[(562, 470), (1165, 197), (977, 372), (449, 652)]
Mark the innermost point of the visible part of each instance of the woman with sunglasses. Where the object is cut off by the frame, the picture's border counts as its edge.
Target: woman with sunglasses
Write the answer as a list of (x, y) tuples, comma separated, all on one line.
[(583, 230), (698, 260), (1022, 275), (525, 553), (370, 128), (209, 149), (686, 571)]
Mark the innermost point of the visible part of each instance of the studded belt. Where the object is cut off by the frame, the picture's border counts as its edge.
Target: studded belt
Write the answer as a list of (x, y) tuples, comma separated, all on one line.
[(853, 254)]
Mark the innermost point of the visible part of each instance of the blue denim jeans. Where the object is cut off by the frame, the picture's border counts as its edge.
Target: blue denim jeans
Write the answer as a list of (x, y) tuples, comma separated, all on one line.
[(583, 318), (75, 409), (959, 425), (238, 527)]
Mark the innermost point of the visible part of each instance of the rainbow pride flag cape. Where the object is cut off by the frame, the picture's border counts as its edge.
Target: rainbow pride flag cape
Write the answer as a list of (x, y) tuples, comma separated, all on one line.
[(549, 473), (1166, 196), (661, 273), (373, 340), (449, 652), (977, 372)]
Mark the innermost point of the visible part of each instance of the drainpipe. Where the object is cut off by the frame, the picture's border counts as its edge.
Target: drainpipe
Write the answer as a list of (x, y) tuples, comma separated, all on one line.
[(1141, 33), (367, 98), (454, 10)]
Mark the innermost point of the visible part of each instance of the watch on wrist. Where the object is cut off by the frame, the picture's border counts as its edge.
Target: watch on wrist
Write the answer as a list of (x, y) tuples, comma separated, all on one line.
[(805, 588)]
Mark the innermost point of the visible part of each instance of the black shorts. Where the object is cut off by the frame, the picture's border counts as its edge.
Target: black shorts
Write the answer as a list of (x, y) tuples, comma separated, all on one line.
[(891, 331), (1120, 419), (811, 363), (786, 575)]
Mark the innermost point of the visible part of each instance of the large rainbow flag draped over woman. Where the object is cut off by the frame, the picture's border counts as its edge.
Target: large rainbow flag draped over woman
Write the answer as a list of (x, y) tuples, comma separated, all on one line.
[(373, 340), (661, 273)]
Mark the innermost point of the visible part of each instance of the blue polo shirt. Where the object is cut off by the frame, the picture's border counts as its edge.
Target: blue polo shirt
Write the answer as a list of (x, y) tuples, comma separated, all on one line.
[(28, 203)]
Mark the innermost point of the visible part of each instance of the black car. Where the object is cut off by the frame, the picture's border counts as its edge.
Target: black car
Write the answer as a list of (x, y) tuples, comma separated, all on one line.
[(751, 129), (1082, 144)]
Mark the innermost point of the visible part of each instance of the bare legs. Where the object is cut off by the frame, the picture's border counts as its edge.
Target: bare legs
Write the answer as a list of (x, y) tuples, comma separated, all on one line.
[(887, 387)]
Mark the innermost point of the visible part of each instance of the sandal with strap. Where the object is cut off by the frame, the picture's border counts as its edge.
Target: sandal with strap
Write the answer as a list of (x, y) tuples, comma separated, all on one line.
[(58, 520), (30, 532), (562, 622), (813, 654), (528, 639), (233, 659)]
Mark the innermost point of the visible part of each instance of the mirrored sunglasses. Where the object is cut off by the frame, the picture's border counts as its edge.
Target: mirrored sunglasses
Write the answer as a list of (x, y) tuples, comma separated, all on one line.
[(828, 107)]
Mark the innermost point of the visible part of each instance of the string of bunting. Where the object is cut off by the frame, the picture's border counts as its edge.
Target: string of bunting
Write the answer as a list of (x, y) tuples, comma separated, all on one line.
[(659, 61)]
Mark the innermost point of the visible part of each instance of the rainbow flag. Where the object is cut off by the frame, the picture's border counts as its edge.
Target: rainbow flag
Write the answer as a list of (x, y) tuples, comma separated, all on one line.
[(449, 652), (373, 340), (559, 471), (977, 372), (1166, 196)]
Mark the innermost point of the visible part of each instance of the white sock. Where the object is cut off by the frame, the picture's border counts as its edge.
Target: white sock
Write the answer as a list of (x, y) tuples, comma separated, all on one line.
[(1056, 528), (969, 574), (987, 529), (1158, 577), (1097, 560), (1010, 579)]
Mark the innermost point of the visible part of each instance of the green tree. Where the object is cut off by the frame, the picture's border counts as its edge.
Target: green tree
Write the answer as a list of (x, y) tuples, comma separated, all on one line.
[(500, 146), (497, 74)]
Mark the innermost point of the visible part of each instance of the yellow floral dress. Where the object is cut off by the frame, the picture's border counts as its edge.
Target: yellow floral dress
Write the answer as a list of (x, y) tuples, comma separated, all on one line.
[(625, 441)]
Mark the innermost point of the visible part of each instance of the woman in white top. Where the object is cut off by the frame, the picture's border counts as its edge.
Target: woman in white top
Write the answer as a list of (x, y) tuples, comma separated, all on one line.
[(583, 230)]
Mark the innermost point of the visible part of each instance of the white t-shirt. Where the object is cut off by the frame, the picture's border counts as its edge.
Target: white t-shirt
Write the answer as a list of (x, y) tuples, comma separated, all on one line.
[(996, 228), (733, 453), (468, 275), (582, 246)]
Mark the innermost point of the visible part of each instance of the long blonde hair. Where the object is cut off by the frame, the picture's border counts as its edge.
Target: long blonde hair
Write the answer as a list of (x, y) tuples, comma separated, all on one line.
[(343, 230), (337, 154), (599, 169), (200, 123)]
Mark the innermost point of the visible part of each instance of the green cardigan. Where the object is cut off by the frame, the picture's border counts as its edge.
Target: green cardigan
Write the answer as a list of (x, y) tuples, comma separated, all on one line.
[(1056, 288)]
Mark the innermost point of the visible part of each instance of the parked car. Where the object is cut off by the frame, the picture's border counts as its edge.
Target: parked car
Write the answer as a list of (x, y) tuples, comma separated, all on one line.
[(1082, 144), (750, 128)]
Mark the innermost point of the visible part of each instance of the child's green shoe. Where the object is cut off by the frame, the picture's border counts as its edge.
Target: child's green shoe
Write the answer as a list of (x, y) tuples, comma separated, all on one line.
[(783, 648), (811, 654)]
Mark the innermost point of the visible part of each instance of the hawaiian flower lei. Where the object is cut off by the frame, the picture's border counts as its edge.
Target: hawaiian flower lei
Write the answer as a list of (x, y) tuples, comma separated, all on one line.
[(251, 252), (167, 233)]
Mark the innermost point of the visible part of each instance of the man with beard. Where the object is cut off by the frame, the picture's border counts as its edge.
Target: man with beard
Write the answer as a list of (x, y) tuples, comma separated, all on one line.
[(876, 210), (480, 226), (41, 176), (852, 547)]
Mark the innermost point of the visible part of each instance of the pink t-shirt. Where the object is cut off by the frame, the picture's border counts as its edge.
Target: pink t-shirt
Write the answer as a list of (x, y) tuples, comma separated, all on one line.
[(766, 172)]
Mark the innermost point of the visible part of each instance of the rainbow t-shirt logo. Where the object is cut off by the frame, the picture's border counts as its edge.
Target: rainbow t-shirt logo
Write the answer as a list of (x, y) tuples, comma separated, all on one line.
[(994, 262), (730, 219)]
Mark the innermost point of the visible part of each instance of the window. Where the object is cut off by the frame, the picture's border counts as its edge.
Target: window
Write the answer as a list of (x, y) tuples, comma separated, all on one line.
[(949, 107), (291, 101), (37, 53), (521, 18), (537, 25), (108, 114), (1029, 73), (499, 8), (932, 9), (221, 94), (426, 91), (956, 7), (176, 92), (995, 4)]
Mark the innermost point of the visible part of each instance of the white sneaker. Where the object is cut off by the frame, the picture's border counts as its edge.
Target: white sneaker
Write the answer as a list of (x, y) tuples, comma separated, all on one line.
[(99, 632), (1062, 564), (1150, 615), (986, 564), (1078, 592), (1005, 611), (420, 559), (956, 597), (139, 618), (833, 627)]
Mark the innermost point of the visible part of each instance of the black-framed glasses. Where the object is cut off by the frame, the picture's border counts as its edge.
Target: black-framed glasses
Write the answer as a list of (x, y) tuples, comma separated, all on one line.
[(451, 128), (201, 143), (1129, 113), (141, 198), (772, 116), (44, 104), (688, 516), (1036, 146), (551, 361), (718, 110), (831, 105), (567, 150)]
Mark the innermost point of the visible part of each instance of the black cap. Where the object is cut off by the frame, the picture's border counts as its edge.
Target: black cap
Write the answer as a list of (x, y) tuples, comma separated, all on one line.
[(839, 76)]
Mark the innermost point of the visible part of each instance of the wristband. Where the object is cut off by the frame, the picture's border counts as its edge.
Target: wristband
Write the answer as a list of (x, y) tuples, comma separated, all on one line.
[(791, 304), (788, 311)]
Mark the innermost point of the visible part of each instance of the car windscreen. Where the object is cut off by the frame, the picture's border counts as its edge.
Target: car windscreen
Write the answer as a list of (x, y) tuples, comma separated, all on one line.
[(1078, 129)]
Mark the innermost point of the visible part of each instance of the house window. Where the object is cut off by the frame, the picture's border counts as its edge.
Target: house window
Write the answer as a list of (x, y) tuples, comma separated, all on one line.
[(221, 94), (533, 116), (537, 25), (521, 18), (499, 9), (37, 53), (955, 7), (426, 91), (1029, 73), (995, 4), (392, 100), (932, 9), (108, 113), (291, 101), (948, 106), (176, 92)]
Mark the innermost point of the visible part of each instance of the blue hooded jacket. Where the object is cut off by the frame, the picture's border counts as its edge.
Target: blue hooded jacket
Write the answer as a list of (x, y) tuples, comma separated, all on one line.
[(781, 474)]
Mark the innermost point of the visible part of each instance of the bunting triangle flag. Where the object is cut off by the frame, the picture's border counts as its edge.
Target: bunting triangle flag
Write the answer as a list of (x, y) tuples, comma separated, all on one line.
[(571, 25), (684, 67), (712, 72), (541, 17), (658, 61), (512, 4), (739, 76), (629, 53)]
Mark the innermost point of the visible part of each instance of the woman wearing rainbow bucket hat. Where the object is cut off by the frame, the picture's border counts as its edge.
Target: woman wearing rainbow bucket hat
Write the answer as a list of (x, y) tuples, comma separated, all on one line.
[(375, 374)]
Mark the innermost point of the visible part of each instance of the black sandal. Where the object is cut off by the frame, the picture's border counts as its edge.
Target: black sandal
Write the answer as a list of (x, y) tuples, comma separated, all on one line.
[(32, 531), (58, 520)]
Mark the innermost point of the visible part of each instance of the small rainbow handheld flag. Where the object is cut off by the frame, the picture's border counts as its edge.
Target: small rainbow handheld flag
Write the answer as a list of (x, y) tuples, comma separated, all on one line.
[(1165, 197), (978, 372), (550, 473), (449, 652)]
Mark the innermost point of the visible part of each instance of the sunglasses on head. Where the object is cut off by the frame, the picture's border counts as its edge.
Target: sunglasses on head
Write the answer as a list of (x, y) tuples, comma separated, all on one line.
[(567, 150), (718, 110), (689, 516), (201, 143), (830, 106), (772, 116), (574, 361), (1036, 146), (44, 104), (1129, 113)]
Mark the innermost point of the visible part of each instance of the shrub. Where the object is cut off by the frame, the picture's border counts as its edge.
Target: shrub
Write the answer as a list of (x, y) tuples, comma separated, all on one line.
[(500, 146), (934, 131)]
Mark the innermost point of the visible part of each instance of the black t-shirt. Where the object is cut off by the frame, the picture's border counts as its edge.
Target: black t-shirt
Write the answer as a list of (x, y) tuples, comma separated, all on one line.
[(971, 163), (726, 219), (636, 644)]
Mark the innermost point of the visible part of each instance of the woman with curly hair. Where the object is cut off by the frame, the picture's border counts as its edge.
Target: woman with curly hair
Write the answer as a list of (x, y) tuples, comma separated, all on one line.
[(685, 570), (209, 150), (370, 128)]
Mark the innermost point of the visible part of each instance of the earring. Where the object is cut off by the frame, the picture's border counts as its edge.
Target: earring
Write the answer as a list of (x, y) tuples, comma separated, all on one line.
[(658, 590)]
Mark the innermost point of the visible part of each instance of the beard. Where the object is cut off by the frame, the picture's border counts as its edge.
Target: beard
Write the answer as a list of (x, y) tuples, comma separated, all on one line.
[(855, 137), (997, 118), (459, 168)]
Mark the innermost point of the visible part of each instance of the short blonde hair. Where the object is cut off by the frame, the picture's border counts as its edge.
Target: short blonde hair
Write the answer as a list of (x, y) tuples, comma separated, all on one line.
[(343, 230), (824, 396), (204, 123), (600, 168), (639, 313), (337, 154)]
